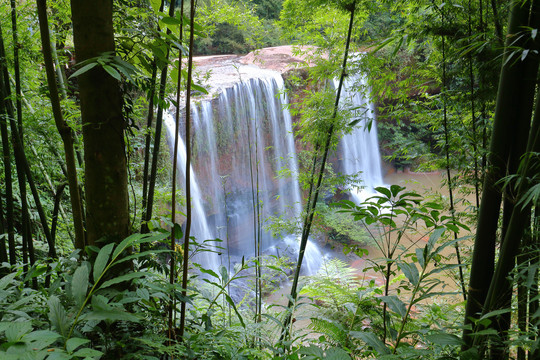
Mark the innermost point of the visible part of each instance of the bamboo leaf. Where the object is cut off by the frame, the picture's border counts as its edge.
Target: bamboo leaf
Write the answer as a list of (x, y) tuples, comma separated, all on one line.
[(495, 313), (209, 272), (420, 256), (84, 69), (113, 72), (434, 237)]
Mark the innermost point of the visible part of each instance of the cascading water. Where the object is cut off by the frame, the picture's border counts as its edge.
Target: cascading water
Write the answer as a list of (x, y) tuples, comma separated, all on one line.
[(199, 224), (359, 150), (245, 159), (247, 173)]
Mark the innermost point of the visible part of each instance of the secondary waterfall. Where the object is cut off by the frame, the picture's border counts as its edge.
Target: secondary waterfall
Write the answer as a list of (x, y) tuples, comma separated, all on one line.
[(245, 170), (359, 150)]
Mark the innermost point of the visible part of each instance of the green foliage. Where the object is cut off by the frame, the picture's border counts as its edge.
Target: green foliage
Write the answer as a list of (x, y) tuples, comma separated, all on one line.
[(235, 27), (340, 227), (89, 309)]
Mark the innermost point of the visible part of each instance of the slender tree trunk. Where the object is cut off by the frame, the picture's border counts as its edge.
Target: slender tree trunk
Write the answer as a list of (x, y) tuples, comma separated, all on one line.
[(157, 142), (20, 158), (148, 140), (6, 150), (310, 210), (188, 166), (173, 270), (62, 126), (3, 247), (25, 215), (107, 216), (497, 22)]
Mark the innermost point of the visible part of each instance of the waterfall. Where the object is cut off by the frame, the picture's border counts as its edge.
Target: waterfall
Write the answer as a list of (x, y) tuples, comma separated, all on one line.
[(245, 170), (199, 224), (359, 150)]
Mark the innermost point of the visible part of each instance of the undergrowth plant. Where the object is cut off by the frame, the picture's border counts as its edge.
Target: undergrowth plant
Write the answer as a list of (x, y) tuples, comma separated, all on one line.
[(86, 313), (410, 234)]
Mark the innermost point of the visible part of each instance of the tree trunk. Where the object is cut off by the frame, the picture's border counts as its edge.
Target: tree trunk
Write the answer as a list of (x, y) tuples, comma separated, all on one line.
[(62, 126), (107, 216), (6, 153), (514, 106)]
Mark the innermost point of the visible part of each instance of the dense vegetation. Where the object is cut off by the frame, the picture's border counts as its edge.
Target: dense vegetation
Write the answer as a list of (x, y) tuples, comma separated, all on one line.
[(90, 263)]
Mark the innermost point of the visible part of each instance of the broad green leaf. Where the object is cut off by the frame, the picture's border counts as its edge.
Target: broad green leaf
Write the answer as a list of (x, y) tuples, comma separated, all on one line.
[(199, 88), (395, 189), (74, 343), (110, 315), (57, 316), (84, 69), (79, 284), (335, 353), (123, 278), (372, 340), (6, 280), (58, 354), (171, 21), (224, 274), (156, 4), (445, 339), (410, 271), (101, 260), (17, 329), (127, 242), (420, 256), (385, 191), (311, 350), (87, 352), (395, 304), (178, 233), (41, 339), (434, 237)]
